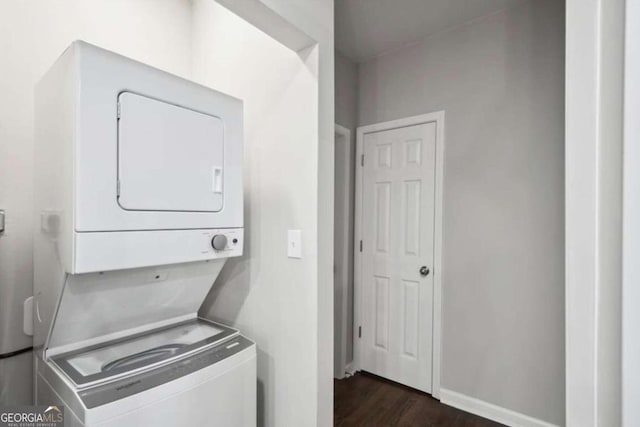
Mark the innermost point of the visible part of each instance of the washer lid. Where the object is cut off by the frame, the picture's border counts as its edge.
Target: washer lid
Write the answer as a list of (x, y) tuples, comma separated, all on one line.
[(170, 158), (112, 360), (103, 306)]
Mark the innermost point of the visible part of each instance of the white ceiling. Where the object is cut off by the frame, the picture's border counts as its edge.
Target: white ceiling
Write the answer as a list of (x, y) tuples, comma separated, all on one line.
[(368, 28)]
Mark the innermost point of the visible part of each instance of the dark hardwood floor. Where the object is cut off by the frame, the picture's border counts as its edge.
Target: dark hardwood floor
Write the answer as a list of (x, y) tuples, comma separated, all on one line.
[(368, 400)]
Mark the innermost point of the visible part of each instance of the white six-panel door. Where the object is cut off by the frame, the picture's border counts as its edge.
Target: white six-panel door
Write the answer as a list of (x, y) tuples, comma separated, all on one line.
[(397, 230)]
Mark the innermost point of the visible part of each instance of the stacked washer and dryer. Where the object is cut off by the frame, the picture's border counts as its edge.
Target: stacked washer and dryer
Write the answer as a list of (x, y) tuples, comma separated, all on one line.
[(139, 203)]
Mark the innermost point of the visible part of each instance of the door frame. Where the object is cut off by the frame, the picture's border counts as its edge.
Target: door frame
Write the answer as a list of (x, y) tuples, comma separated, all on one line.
[(342, 135), (438, 119), (594, 163), (631, 222)]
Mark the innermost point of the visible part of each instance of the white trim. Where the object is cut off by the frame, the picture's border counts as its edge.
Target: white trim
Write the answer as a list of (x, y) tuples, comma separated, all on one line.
[(343, 135), (581, 221), (489, 410), (438, 275), (593, 206), (350, 370), (265, 18), (342, 131), (631, 223)]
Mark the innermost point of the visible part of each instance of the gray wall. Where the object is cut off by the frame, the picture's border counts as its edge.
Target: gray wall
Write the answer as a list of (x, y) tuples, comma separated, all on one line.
[(346, 111), (346, 81), (500, 80), (273, 299)]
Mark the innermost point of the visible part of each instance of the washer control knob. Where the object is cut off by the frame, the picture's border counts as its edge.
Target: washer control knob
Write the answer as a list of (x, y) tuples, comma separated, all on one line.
[(219, 242)]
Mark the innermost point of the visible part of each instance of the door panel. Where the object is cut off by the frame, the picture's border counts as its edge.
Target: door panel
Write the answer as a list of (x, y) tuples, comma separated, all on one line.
[(398, 239)]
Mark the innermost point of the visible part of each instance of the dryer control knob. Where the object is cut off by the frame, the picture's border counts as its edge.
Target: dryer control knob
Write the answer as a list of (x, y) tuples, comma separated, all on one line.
[(219, 242)]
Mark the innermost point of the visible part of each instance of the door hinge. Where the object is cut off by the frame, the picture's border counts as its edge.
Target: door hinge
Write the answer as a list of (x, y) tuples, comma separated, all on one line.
[(359, 331), (360, 245), (118, 114), (361, 159)]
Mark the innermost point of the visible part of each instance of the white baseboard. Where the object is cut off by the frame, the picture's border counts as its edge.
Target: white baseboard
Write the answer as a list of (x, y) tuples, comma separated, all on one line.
[(490, 411), (350, 370)]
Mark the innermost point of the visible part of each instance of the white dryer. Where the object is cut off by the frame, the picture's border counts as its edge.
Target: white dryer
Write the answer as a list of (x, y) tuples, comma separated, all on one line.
[(138, 205)]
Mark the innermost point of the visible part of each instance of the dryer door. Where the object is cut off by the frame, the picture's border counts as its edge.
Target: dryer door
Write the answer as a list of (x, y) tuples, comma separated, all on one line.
[(170, 158)]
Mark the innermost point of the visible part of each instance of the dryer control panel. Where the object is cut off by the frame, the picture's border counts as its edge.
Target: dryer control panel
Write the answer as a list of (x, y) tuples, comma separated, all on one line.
[(224, 242)]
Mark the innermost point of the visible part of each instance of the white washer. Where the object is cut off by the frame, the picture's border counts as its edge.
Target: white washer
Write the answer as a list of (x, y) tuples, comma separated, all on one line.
[(196, 373)]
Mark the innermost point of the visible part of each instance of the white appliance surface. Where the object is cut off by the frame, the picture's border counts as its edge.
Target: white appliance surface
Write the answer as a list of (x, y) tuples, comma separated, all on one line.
[(134, 167), (170, 158), (138, 203), (100, 307), (214, 387), (96, 361), (209, 399), (148, 96)]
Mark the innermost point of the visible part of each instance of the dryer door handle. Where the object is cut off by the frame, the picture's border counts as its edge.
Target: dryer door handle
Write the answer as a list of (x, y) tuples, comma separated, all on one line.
[(216, 183)]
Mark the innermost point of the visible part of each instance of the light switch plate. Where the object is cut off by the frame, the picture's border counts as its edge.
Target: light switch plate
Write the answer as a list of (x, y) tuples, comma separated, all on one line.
[(294, 244)]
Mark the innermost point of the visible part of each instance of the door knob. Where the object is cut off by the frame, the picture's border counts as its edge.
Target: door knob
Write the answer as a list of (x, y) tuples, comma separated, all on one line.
[(424, 270)]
